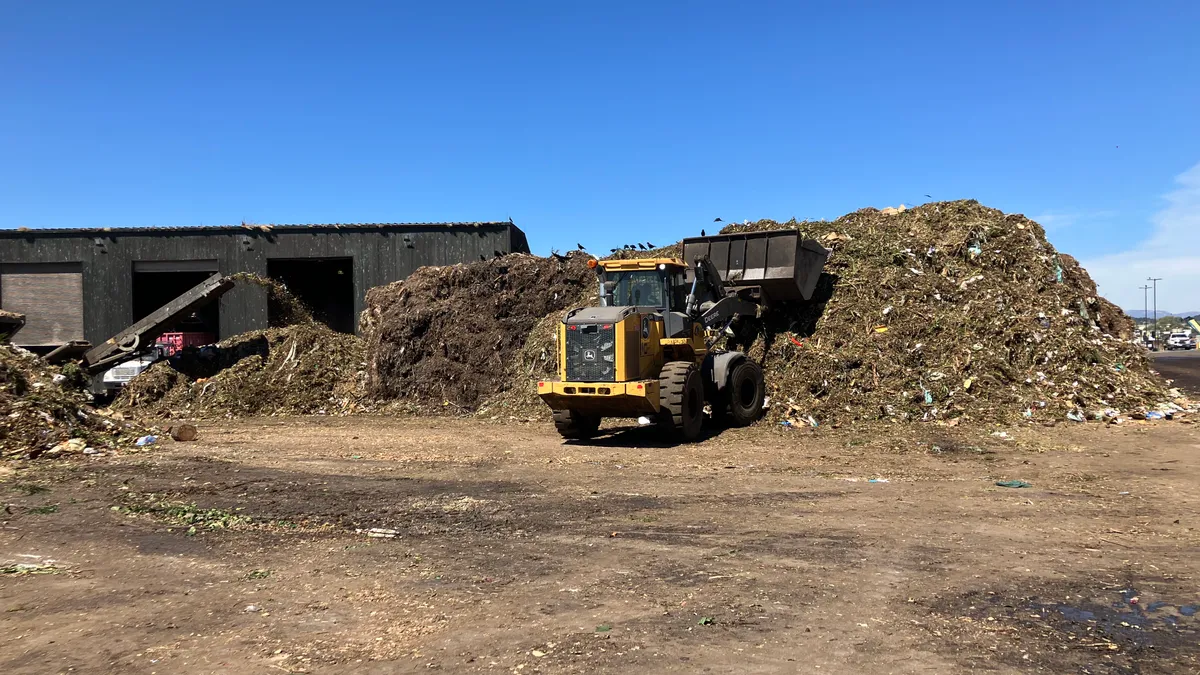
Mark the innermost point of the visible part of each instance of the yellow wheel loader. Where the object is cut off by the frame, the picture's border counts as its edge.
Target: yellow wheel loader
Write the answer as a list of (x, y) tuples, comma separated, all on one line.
[(647, 350)]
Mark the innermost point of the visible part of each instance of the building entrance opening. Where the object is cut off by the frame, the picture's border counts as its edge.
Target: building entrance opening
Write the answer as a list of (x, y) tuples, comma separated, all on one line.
[(324, 285), (155, 283)]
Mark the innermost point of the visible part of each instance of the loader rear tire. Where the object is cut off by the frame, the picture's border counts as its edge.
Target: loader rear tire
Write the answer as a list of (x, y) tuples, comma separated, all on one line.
[(575, 425), (744, 394), (681, 401)]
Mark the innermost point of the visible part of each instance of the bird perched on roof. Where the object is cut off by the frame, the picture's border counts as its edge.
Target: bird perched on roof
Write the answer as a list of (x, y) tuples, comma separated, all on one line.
[(701, 232)]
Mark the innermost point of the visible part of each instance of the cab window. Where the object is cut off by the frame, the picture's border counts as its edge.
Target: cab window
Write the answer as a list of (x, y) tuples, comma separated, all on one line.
[(642, 288)]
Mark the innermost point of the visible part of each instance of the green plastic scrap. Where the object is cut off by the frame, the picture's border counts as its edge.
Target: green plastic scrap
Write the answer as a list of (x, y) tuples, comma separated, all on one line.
[(1013, 483)]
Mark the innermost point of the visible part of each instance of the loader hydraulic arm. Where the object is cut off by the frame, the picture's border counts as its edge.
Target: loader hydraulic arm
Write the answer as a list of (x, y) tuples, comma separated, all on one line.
[(710, 302)]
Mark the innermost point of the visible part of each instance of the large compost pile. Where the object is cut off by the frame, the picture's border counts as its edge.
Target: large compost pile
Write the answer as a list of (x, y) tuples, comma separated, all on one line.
[(946, 311), (950, 310), (453, 336), (305, 368), (46, 412), (297, 366)]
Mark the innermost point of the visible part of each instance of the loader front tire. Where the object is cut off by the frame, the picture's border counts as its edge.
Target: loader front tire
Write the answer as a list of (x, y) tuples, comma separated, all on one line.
[(575, 425), (681, 401), (745, 393)]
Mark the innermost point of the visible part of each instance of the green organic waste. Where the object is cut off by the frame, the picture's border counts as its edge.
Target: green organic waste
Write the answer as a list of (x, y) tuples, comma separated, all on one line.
[(178, 513)]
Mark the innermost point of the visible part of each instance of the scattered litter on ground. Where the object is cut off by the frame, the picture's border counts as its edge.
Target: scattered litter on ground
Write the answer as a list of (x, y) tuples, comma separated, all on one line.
[(379, 533), (22, 569), (1013, 484), (146, 440)]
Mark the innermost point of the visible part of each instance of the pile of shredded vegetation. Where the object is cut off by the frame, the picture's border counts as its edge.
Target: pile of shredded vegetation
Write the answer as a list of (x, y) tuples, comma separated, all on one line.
[(306, 368), (946, 312), (47, 412), (949, 311), (454, 337), (284, 308)]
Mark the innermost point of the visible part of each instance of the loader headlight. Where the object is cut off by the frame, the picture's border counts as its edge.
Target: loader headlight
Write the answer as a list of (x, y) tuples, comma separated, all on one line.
[(662, 266)]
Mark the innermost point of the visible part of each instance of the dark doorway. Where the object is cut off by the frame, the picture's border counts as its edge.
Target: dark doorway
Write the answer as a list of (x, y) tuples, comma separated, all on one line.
[(324, 285), (153, 289)]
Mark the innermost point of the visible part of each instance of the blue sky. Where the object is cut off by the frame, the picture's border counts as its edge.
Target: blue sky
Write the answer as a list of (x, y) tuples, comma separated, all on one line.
[(604, 123)]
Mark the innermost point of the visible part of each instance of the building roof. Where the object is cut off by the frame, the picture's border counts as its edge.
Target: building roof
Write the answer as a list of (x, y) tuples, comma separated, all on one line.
[(246, 228)]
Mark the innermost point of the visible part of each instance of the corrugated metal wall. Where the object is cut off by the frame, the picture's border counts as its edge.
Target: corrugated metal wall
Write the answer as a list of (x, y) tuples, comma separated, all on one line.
[(381, 255)]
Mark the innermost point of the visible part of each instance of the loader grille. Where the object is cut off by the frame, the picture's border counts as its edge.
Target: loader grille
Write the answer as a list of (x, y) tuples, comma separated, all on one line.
[(591, 352)]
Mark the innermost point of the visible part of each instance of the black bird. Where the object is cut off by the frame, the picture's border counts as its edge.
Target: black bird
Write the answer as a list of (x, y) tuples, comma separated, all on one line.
[(702, 231), (497, 253), (613, 250), (482, 256), (580, 246), (716, 220), (641, 246), (929, 196), (510, 219), (649, 245)]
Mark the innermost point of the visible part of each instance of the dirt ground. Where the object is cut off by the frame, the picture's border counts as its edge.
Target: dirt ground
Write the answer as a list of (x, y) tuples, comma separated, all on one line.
[(756, 551)]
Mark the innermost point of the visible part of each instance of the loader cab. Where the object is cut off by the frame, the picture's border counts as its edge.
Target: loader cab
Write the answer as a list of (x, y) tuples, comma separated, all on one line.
[(642, 283)]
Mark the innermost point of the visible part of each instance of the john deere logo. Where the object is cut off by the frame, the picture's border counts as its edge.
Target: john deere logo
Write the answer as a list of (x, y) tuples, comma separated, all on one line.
[(589, 355)]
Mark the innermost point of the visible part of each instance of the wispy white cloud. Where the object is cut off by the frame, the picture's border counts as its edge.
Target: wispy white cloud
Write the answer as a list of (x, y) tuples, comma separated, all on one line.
[(1059, 220), (1172, 252)]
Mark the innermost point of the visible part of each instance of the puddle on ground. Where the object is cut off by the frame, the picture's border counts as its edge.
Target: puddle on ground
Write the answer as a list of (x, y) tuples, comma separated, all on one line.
[(1127, 617)]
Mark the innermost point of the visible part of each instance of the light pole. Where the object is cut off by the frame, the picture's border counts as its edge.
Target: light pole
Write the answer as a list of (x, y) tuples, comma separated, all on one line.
[(1145, 305), (1155, 280)]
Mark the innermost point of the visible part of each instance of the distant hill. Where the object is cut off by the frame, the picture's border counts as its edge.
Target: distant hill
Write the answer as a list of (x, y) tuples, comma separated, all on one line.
[(1138, 314)]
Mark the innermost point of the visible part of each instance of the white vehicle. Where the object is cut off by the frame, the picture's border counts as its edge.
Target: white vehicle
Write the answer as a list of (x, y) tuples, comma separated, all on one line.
[(117, 376), (1179, 340)]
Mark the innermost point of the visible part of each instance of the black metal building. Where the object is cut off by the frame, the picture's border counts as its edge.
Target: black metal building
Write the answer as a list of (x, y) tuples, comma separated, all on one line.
[(88, 284)]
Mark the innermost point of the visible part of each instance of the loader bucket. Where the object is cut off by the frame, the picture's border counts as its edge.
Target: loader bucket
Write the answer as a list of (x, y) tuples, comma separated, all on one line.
[(780, 262)]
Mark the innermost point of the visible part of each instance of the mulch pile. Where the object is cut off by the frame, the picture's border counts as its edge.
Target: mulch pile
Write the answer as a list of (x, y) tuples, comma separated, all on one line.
[(305, 368), (46, 411), (945, 312), (284, 308), (298, 366), (950, 310), (455, 337)]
